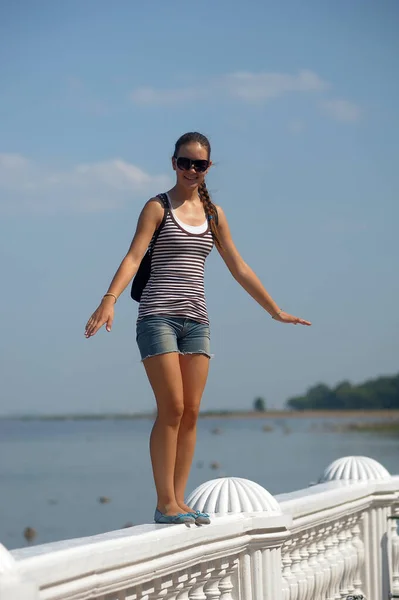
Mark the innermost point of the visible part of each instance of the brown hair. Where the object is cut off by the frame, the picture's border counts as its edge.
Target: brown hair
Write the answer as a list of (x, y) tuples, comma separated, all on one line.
[(209, 207)]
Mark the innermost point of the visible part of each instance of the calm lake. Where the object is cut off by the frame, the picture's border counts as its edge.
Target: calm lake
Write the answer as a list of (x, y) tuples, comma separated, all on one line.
[(52, 473)]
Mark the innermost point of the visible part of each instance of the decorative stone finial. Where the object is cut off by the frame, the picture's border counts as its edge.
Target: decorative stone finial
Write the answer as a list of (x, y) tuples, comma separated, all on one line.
[(354, 468), (228, 495)]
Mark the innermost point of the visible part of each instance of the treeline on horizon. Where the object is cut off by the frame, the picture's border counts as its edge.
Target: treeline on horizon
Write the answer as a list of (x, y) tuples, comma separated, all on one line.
[(375, 394)]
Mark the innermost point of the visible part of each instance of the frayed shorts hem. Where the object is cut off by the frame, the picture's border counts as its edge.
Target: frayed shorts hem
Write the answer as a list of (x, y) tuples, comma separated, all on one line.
[(210, 356)]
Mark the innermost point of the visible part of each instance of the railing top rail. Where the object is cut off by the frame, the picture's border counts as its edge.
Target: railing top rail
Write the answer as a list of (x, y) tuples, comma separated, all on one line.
[(329, 495), (139, 546)]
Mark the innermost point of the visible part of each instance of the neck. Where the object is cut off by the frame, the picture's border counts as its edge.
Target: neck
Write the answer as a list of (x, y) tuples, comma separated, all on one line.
[(180, 194)]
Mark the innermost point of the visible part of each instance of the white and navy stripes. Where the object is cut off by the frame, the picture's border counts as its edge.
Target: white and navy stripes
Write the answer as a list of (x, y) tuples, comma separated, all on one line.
[(176, 283)]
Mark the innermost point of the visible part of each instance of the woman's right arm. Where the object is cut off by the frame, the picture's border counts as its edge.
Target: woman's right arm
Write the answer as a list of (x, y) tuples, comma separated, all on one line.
[(149, 220)]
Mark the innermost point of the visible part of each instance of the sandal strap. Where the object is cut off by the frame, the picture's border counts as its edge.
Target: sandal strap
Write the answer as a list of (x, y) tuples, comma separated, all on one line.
[(201, 514)]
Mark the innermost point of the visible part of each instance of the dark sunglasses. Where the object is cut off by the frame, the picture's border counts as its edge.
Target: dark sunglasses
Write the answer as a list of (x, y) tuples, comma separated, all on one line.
[(185, 164)]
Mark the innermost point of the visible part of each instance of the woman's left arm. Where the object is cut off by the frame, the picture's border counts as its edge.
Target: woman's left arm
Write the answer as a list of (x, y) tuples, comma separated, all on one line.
[(246, 277)]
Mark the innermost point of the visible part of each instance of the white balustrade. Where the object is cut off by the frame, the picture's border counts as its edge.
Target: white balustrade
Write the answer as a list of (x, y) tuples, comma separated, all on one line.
[(331, 541), (14, 585), (394, 546)]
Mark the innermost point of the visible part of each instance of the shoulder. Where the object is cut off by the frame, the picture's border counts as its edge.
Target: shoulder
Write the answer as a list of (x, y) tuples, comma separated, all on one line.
[(220, 214), (152, 212), (154, 204), (153, 208)]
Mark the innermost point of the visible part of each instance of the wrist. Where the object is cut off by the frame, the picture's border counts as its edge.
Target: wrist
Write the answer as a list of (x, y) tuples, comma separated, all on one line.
[(276, 314), (110, 297)]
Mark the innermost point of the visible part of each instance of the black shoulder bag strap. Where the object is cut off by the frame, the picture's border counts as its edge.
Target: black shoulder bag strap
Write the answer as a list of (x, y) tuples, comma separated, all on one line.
[(164, 200), (143, 273)]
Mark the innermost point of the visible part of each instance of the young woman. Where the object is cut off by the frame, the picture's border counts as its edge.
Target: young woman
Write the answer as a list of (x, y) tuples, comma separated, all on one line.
[(172, 327)]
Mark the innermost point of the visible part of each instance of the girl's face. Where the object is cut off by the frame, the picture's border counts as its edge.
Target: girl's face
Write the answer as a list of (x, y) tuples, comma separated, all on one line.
[(191, 165)]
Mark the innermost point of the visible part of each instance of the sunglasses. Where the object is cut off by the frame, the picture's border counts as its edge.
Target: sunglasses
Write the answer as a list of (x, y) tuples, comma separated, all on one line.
[(185, 164)]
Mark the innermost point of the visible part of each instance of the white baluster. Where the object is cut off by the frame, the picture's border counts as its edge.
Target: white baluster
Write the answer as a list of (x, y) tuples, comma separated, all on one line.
[(197, 591), (179, 582), (336, 559), (286, 572), (198, 581), (385, 512), (211, 587), (297, 571), (394, 538), (395, 565), (183, 587), (306, 567), (331, 558), (315, 567), (159, 590), (290, 575), (325, 566), (343, 561), (226, 584), (360, 553), (352, 555)]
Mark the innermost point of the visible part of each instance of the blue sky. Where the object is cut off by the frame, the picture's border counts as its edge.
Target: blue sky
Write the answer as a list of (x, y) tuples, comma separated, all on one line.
[(299, 100)]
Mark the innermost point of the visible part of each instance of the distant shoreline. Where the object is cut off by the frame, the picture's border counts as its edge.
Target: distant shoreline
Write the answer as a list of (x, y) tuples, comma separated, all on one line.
[(270, 414)]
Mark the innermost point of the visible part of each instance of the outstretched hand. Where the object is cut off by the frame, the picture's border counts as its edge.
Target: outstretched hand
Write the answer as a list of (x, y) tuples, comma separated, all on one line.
[(103, 314), (284, 317)]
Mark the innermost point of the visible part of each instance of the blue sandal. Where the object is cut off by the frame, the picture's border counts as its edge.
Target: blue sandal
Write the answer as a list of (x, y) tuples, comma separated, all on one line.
[(179, 519), (200, 518)]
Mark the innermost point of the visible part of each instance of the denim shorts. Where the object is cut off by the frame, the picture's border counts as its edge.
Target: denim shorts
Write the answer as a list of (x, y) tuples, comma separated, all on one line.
[(158, 334)]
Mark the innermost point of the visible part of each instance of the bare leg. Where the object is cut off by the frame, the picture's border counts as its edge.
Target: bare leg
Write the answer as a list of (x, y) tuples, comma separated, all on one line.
[(194, 373), (164, 374)]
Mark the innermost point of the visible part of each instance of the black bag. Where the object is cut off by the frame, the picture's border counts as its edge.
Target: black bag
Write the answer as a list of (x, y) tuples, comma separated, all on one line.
[(143, 273)]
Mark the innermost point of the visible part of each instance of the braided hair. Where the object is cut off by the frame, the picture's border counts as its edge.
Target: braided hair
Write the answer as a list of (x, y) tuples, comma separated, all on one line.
[(209, 207)]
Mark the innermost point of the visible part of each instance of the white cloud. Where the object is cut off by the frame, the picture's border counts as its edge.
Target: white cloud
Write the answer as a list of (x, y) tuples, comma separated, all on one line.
[(13, 161), (152, 96), (252, 88), (26, 186), (260, 87), (246, 86), (342, 110)]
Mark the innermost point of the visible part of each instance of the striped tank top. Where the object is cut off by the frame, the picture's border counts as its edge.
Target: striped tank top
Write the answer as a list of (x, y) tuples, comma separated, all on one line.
[(176, 284)]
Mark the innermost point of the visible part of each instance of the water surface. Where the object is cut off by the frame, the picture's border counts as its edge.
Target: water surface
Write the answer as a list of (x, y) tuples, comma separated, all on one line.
[(52, 473)]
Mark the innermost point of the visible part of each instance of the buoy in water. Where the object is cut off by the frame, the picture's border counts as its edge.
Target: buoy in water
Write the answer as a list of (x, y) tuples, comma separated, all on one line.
[(104, 499), (29, 533)]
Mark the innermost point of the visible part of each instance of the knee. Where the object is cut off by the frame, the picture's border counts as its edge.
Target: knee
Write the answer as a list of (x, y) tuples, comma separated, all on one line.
[(172, 413), (190, 416)]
